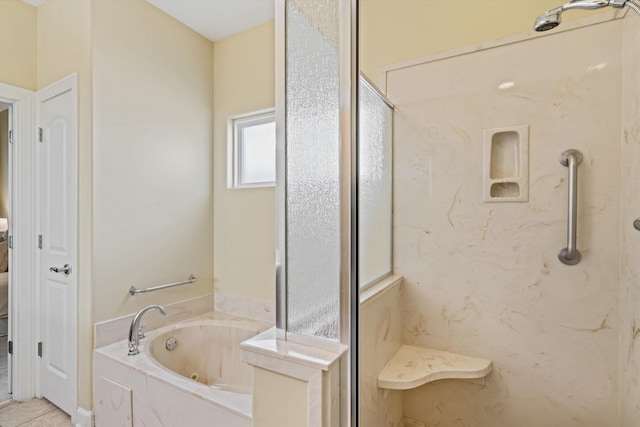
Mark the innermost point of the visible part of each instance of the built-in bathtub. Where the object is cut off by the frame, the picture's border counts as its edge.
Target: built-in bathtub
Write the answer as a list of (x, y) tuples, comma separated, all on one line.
[(200, 382)]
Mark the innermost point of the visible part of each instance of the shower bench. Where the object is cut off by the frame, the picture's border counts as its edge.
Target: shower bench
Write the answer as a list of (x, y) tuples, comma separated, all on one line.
[(412, 366)]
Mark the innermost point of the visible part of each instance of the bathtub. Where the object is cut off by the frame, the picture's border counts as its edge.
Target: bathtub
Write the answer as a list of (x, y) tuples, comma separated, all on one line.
[(187, 374)]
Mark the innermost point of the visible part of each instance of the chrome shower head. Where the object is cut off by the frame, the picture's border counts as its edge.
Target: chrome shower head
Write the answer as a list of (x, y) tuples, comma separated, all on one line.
[(548, 20), (551, 18)]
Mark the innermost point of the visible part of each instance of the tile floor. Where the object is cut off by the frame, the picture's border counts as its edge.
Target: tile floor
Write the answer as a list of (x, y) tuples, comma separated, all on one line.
[(33, 413)]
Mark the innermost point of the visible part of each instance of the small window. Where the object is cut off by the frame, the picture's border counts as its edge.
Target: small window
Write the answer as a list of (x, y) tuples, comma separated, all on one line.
[(252, 150)]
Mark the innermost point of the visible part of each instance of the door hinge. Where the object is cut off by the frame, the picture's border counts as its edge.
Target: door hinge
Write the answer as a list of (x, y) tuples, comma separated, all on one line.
[(40, 349), (40, 132), (40, 241), (10, 242), (10, 347), (11, 136)]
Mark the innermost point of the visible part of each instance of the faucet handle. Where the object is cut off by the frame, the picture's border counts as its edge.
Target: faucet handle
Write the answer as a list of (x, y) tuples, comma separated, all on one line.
[(133, 349), (141, 334)]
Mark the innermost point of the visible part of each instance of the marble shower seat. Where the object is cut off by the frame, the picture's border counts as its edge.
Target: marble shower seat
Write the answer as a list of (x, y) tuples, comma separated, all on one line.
[(412, 366)]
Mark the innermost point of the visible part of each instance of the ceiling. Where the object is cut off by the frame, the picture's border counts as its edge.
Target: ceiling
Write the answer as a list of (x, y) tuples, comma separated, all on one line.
[(214, 19), (217, 19)]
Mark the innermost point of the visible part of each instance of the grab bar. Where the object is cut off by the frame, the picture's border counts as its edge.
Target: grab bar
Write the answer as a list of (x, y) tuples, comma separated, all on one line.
[(570, 255), (133, 290)]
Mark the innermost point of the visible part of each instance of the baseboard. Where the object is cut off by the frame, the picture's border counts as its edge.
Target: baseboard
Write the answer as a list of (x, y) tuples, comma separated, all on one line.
[(84, 418)]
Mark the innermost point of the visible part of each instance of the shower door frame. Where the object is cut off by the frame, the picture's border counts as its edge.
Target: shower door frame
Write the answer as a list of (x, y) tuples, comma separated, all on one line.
[(349, 283)]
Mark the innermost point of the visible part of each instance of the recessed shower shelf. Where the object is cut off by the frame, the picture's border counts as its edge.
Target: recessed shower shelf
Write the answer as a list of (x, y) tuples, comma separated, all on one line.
[(411, 367)]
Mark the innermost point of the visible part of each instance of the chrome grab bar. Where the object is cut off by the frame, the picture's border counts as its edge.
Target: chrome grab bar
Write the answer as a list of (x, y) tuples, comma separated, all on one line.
[(570, 255), (133, 290)]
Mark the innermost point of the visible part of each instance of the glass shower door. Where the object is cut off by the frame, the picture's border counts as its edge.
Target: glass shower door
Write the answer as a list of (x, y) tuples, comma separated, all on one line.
[(317, 206)]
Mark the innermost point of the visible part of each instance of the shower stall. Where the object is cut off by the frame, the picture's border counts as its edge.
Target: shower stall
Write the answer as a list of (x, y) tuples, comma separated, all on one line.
[(479, 206), (480, 214)]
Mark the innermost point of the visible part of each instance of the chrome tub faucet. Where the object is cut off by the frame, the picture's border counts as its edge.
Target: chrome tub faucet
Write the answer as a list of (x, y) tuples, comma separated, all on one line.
[(134, 329)]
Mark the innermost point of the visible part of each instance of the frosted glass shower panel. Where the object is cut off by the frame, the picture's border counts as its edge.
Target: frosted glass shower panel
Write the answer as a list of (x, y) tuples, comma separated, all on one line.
[(374, 233), (313, 168)]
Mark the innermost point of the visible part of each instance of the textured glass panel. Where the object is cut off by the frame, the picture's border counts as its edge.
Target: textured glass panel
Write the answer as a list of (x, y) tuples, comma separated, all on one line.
[(375, 175), (313, 169)]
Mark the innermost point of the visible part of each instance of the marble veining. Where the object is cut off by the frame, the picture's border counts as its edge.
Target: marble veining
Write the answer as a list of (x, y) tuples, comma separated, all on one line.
[(269, 345), (261, 311), (413, 367), (381, 317), (630, 245), (484, 279)]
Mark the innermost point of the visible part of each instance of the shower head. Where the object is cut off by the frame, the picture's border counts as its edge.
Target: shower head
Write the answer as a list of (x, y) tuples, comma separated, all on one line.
[(551, 18), (548, 20)]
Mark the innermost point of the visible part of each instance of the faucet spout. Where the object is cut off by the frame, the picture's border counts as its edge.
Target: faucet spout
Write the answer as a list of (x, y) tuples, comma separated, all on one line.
[(134, 338)]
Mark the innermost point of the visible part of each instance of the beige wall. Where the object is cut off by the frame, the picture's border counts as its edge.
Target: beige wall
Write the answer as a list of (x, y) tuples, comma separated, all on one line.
[(18, 43), (64, 47), (4, 164), (483, 278), (152, 159), (244, 251), (145, 102), (397, 30), (145, 166)]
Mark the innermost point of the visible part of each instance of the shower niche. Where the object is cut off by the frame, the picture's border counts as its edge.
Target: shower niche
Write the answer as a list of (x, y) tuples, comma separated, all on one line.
[(506, 165)]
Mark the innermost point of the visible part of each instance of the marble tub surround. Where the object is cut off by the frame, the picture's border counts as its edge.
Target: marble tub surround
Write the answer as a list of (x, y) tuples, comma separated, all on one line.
[(484, 278), (630, 244), (264, 348), (296, 383), (114, 330), (378, 288), (138, 390), (412, 367), (262, 311)]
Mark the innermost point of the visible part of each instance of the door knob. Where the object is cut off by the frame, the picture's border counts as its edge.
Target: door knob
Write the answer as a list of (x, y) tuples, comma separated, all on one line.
[(66, 269), (636, 224)]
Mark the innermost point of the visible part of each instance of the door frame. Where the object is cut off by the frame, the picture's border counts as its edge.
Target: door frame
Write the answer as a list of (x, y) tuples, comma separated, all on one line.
[(22, 255), (69, 83)]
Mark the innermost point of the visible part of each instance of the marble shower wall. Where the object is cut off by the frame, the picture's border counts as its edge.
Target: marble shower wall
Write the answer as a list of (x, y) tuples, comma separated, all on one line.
[(484, 279), (381, 315), (630, 265)]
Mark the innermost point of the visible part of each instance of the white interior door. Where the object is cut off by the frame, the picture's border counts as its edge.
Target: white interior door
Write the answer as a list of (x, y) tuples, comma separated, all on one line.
[(57, 212)]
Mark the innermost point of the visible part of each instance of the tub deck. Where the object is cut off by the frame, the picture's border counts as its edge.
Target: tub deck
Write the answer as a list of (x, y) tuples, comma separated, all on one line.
[(162, 396)]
